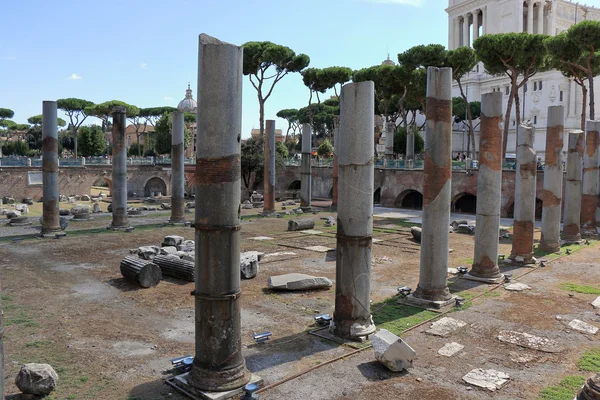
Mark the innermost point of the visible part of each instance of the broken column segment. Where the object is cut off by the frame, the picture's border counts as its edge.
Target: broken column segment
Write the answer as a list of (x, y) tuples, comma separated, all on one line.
[(522, 241), (489, 190), (305, 172), (177, 170), (119, 170), (553, 181), (352, 316), (571, 232), (50, 213), (432, 290), (218, 362), (269, 168), (390, 128), (589, 199)]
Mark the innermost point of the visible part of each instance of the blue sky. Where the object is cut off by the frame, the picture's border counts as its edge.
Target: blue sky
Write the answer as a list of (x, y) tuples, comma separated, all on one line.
[(144, 52)]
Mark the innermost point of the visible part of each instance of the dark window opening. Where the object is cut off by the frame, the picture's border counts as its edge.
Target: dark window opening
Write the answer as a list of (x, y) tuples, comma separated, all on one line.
[(466, 204), (412, 200)]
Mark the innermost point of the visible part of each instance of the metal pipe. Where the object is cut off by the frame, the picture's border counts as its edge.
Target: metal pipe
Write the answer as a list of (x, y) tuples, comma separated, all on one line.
[(50, 211), (218, 362), (119, 169), (177, 169), (553, 180), (352, 316)]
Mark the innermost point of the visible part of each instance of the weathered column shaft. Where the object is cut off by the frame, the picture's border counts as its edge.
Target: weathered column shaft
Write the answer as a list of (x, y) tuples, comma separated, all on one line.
[(530, 17), (524, 217), (590, 192), (410, 145), (352, 316), (475, 25), (572, 219), (50, 212), (489, 189), (437, 179), (540, 21), (335, 173), (269, 168), (390, 128), (305, 172), (465, 31), (218, 362), (553, 179), (177, 170), (119, 169)]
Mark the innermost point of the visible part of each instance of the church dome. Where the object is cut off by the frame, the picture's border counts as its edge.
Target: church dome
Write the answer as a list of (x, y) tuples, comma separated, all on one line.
[(388, 61), (188, 104)]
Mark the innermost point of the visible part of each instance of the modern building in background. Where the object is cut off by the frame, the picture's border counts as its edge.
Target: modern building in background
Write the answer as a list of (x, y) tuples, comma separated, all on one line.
[(470, 19)]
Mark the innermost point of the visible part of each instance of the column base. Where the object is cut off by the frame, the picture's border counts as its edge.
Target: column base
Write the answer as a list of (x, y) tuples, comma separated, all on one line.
[(353, 330), (206, 380), (120, 228), (269, 213), (306, 209), (519, 261), (181, 384), (178, 223), (567, 239), (492, 280), (52, 234), (432, 305), (549, 247), (590, 233)]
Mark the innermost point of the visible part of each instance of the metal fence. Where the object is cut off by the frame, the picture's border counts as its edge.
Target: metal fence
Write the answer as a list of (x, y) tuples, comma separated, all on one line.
[(78, 162)]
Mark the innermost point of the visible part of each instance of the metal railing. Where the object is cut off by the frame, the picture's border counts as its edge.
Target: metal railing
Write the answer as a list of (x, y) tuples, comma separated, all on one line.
[(78, 162)]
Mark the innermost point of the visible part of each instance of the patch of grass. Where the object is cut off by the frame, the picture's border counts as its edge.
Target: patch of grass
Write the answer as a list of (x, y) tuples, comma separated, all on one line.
[(585, 289), (38, 343), (565, 390), (492, 293), (22, 319), (468, 296), (6, 298), (396, 318), (466, 261), (590, 361)]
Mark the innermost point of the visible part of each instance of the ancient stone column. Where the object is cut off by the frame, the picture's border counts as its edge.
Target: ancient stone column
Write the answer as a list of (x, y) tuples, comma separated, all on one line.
[(119, 170), (489, 190), (553, 178), (432, 290), (389, 139), (572, 213), (305, 172), (218, 362), (524, 217), (410, 144), (540, 21), (590, 390), (352, 316), (465, 35), (335, 173), (475, 25), (269, 168), (530, 16), (590, 192), (50, 216), (177, 170)]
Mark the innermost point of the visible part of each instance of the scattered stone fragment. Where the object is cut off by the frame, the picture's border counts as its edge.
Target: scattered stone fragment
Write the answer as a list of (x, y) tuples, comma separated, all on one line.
[(450, 349), (453, 271), (444, 326), (64, 223), (19, 221), (8, 200), (516, 287), (249, 263), (23, 208), (464, 228), (96, 208), (596, 303), (85, 197), (392, 351), (13, 214), (455, 224), (165, 206), (262, 238), (415, 231), (37, 379), (148, 252), (172, 240), (521, 358), (583, 327), (301, 224), (247, 206), (298, 282), (28, 201), (71, 199), (530, 341), (298, 211), (191, 256), (486, 378), (279, 254), (168, 250)]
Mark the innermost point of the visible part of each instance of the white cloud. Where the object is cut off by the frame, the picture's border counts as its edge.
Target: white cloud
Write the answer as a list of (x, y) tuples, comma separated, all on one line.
[(415, 3), (168, 98), (143, 65), (74, 77), (10, 58)]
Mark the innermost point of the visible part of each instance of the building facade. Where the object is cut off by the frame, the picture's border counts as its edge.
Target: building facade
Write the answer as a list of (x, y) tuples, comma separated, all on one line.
[(469, 19)]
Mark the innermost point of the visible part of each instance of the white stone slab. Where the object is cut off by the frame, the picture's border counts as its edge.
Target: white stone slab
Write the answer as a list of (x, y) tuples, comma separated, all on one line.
[(298, 282), (280, 254), (445, 326), (583, 327), (392, 351), (450, 349), (517, 287), (320, 249), (486, 378), (375, 240), (262, 238), (596, 303), (311, 232), (530, 341)]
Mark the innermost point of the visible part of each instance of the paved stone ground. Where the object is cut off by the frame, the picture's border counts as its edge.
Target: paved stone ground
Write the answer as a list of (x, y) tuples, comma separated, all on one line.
[(66, 304)]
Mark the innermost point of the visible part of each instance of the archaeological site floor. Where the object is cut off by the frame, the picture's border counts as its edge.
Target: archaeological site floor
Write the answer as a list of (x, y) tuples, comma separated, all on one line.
[(66, 304)]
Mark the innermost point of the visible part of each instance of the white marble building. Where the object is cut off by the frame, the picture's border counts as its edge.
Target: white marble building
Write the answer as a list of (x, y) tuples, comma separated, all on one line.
[(469, 19)]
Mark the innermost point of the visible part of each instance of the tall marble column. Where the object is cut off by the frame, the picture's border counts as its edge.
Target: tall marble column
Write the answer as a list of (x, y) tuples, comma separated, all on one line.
[(269, 168), (591, 162), (520, 17), (119, 170), (389, 139), (218, 363), (335, 173), (553, 180), (305, 168), (572, 219), (456, 42), (530, 16), (475, 25), (540, 24), (352, 316), (50, 211), (489, 187), (177, 169), (465, 35), (522, 241), (484, 20), (432, 290)]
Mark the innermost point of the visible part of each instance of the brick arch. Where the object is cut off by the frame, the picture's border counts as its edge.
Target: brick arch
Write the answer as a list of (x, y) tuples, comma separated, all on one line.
[(464, 202), (409, 198)]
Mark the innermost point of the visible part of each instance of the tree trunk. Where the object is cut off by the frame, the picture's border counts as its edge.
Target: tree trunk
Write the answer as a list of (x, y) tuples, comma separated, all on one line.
[(261, 111), (138, 144), (144, 273), (511, 97), (592, 102), (584, 91)]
